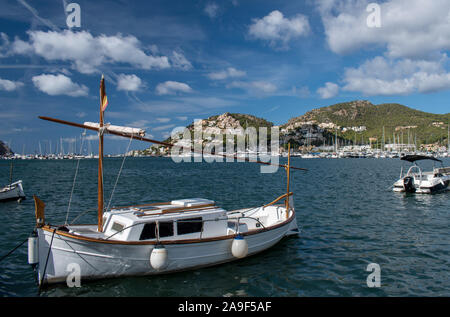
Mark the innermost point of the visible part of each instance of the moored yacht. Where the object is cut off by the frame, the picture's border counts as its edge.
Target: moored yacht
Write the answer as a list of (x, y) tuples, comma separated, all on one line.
[(14, 190), (420, 182)]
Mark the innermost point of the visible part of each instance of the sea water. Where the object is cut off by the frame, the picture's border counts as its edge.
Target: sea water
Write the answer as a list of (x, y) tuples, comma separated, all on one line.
[(348, 215)]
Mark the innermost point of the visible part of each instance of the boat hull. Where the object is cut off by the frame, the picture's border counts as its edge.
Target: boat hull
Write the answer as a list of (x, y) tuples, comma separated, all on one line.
[(12, 192), (97, 260), (429, 188)]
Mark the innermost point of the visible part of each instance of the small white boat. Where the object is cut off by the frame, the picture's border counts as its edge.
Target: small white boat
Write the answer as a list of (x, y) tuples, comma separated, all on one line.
[(155, 238), (420, 182), (12, 191)]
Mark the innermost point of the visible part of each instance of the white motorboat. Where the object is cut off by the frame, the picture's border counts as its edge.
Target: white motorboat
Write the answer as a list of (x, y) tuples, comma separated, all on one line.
[(420, 182), (154, 238), (12, 191)]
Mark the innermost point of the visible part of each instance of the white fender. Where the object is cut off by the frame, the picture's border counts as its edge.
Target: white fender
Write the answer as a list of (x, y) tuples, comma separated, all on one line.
[(239, 247), (33, 250), (158, 257)]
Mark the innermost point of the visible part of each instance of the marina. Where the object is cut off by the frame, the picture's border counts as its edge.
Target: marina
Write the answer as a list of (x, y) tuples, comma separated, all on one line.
[(224, 155)]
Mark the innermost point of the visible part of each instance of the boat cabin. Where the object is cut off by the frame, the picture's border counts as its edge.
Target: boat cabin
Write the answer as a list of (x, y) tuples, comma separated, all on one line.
[(179, 219), (183, 219)]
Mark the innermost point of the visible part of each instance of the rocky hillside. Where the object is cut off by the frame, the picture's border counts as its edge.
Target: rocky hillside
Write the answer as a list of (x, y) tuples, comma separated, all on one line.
[(234, 123), (360, 120), (4, 149), (217, 127), (354, 122)]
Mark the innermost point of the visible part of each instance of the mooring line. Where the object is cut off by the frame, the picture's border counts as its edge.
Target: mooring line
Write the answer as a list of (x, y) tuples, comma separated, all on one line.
[(46, 262), (10, 252)]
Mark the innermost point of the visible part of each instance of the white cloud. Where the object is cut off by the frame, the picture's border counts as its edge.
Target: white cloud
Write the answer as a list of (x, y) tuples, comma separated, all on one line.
[(302, 92), (179, 61), (81, 114), (163, 120), (163, 127), (182, 118), (255, 87), (185, 104), (211, 10), (382, 76), (128, 82), (279, 30), (172, 87), (143, 124), (87, 52), (230, 72), (9, 85), (59, 85), (330, 90), (409, 28), (4, 44), (35, 13)]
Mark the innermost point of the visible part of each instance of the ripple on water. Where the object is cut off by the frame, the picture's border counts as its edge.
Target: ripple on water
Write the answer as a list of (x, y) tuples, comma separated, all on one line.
[(347, 213)]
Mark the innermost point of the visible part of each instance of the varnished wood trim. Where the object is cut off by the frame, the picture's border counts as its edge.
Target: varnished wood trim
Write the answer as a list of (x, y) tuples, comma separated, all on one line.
[(278, 199), (144, 205), (168, 211), (181, 209)]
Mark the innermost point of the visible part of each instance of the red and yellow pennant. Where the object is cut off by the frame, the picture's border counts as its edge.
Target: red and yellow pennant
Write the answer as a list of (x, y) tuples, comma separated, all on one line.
[(103, 98)]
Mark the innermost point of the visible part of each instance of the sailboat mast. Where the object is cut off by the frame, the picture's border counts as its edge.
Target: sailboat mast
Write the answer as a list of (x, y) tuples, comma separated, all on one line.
[(100, 159), (11, 172)]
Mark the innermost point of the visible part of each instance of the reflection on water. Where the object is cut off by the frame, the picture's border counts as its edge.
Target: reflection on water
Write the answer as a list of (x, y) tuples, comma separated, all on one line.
[(347, 213)]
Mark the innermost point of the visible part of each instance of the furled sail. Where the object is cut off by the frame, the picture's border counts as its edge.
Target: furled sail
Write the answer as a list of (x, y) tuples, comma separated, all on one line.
[(115, 128)]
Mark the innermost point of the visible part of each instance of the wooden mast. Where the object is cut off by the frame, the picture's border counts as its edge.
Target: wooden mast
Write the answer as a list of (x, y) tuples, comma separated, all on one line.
[(288, 172), (100, 159), (11, 172)]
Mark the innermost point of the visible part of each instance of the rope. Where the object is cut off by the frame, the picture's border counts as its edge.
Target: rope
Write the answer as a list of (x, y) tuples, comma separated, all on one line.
[(118, 175), (10, 252), (83, 213), (46, 261), (75, 178)]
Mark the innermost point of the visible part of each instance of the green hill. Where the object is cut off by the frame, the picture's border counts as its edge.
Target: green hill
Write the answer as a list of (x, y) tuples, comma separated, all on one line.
[(396, 119), (354, 122)]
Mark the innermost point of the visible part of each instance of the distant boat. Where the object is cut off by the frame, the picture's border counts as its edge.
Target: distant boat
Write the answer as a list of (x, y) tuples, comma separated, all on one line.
[(420, 182), (13, 191)]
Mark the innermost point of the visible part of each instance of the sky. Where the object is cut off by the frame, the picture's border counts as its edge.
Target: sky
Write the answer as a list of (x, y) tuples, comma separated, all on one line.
[(167, 63)]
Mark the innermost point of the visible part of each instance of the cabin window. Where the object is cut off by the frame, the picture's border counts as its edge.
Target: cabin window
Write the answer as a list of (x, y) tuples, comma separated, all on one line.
[(189, 225), (117, 226), (149, 230)]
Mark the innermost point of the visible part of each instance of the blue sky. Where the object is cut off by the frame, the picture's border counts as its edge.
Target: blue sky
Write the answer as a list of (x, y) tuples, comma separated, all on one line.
[(167, 63)]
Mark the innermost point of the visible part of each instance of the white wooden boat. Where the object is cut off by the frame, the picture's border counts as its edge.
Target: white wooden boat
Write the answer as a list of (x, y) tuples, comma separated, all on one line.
[(12, 191), (420, 182), (155, 238)]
